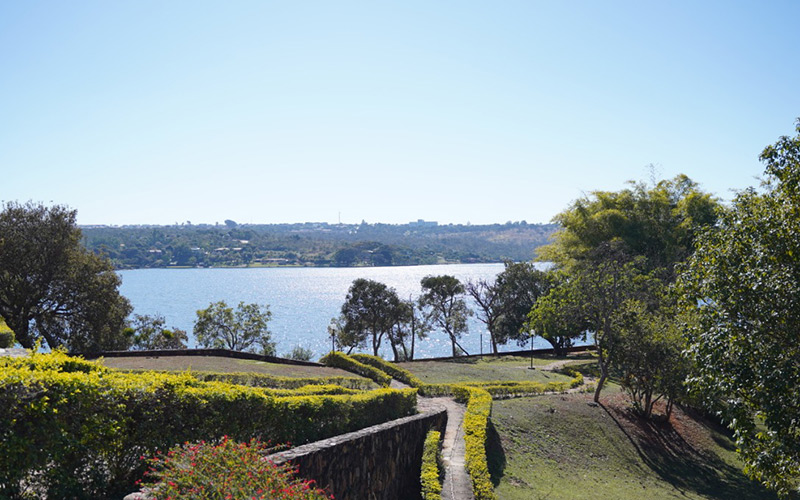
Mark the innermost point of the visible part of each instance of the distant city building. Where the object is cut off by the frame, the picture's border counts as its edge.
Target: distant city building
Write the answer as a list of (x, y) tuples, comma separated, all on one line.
[(424, 223)]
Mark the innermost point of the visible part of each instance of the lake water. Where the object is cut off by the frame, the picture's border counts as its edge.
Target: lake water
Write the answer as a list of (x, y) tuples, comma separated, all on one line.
[(302, 300)]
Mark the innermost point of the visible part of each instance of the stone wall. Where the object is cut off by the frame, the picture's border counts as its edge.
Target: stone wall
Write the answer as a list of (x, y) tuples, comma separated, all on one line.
[(377, 463)]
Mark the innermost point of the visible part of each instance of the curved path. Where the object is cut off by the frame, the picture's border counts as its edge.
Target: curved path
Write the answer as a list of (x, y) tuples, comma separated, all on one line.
[(457, 484)]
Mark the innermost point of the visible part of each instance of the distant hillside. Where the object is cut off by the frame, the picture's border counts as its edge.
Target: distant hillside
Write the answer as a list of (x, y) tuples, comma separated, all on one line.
[(315, 244)]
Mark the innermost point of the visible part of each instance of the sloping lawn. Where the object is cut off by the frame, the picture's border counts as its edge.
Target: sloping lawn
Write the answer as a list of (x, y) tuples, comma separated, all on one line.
[(512, 368), (561, 448)]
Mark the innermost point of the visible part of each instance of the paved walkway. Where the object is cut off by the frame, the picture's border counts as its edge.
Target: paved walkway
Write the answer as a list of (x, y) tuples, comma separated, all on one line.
[(457, 484)]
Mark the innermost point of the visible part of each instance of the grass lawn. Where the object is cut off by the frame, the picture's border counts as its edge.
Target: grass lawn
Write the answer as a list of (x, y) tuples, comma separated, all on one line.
[(484, 370), (559, 447), (221, 364)]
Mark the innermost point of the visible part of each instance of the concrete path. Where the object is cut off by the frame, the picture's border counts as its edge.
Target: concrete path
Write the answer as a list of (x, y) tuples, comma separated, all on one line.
[(457, 484)]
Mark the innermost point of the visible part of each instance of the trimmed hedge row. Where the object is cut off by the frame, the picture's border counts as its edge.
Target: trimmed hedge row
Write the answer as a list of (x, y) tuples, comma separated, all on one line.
[(95, 423), (430, 475), (341, 360), (391, 369), (476, 421), (264, 380)]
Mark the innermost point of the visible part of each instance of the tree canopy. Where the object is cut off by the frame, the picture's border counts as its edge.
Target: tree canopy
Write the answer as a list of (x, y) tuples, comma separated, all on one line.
[(243, 329), (443, 301), (616, 248), (742, 293), (53, 289)]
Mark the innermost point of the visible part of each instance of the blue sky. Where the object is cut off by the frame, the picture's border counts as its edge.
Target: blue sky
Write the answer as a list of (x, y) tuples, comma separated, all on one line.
[(163, 112)]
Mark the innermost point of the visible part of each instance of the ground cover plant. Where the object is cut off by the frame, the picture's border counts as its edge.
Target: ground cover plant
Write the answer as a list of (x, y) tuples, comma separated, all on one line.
[(560, 447), (224, 470)]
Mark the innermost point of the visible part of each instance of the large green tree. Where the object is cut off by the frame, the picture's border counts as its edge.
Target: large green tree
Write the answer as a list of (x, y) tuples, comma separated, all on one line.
[(244, 329), (617, 247), (503, 304), (369, 312), (443, 301), (743, 287), (51, 288)]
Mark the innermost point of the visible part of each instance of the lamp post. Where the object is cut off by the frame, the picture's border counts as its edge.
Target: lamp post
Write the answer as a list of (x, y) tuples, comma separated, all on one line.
[(531, 367)]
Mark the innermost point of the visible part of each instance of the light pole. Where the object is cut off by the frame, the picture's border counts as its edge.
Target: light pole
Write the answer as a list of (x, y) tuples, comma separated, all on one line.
[(531, 367)]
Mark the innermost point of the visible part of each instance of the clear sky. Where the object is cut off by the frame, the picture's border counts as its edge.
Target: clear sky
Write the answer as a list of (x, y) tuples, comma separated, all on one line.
[(136, 112)]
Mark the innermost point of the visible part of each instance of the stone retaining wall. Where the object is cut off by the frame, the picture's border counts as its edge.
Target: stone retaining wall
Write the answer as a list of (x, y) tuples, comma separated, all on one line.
[(377, 463)]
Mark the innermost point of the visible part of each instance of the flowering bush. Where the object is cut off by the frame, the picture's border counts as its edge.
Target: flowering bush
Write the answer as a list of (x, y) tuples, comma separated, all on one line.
[(225, 470)]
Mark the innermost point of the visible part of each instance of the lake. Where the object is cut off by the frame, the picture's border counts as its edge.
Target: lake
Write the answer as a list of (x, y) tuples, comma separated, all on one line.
[(302, 300)]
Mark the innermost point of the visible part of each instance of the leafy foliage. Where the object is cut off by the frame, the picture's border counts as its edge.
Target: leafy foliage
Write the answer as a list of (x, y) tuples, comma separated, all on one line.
[(443, 301), (245, 329), (54, 289), (341, 360), (223, 470), (149, 333), (742, 290), (430, 474)]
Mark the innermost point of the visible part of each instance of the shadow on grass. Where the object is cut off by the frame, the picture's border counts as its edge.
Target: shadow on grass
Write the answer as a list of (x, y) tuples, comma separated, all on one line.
[(495, 454), (664, 450)]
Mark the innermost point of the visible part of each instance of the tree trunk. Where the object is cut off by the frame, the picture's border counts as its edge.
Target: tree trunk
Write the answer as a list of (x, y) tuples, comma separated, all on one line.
[(21, 329), (602, 380)]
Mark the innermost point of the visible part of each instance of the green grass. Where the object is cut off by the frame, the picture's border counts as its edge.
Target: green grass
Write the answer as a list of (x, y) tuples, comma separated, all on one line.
[(489, 369), (560, 448), (221, 364)]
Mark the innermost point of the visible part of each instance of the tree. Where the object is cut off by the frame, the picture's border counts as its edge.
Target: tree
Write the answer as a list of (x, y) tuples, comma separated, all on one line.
[(503, 305), (409, 324), (743, 286), (443, 301), (369, 312), (149, 333), (558, 316), (520, 285), (648, 356), (616, 247), (245, 329), (51, 288)]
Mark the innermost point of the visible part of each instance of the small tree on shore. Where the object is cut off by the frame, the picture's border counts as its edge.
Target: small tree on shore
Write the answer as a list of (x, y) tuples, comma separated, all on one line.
[(245, 329), (443, 301)]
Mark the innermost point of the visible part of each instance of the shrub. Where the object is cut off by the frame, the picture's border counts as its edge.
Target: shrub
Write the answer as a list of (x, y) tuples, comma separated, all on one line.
[(341, 360), (300, 353), (390, 369), (224, 470), (430, 476)]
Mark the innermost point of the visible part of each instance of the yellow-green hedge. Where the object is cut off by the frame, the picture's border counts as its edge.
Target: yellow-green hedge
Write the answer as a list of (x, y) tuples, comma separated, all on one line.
[(430, 476), (265, 380), (94, 423), (390, 369), (341, 360)]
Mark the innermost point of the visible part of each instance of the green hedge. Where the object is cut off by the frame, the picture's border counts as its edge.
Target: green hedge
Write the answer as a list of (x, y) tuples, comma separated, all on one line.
[(391, 369), (476, 421), (341, 360), (264, 380), (430, 474), (94, 423)]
